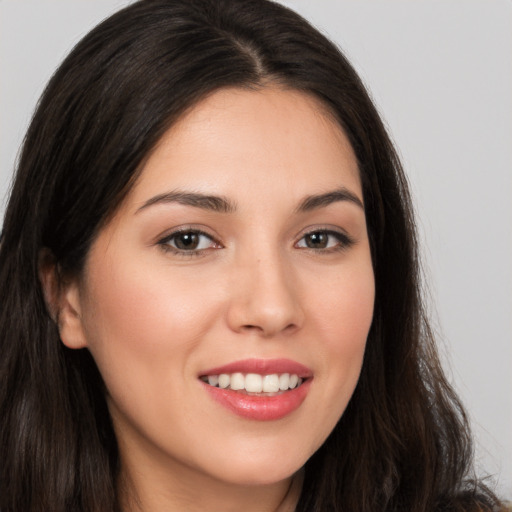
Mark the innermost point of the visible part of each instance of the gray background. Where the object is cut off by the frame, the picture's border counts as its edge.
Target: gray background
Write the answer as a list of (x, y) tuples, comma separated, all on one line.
[(441, 74)]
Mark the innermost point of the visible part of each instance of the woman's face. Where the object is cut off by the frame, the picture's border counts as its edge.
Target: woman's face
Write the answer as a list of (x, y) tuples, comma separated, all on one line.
[(240, 258)]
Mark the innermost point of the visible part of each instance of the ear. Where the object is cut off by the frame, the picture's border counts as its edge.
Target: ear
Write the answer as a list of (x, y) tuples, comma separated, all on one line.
[(62, 297)]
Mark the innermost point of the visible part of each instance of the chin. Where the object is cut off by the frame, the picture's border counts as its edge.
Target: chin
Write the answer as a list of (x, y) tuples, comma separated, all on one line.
[(257, 477), (254, 470)]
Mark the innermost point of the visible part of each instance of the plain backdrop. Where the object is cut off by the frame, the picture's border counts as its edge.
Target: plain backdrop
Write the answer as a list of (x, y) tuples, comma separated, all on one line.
[(441, 75)]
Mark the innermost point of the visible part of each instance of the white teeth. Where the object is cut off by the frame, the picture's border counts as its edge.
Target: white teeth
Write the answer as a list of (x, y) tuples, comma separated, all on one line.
[(237, 381), (284, 381), (255, 383), (224, 380), (271, 383)]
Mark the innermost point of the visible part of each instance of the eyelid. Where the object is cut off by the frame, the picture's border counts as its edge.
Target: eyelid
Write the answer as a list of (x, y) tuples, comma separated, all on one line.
[(330, 228), (345, 240), (163, 240)]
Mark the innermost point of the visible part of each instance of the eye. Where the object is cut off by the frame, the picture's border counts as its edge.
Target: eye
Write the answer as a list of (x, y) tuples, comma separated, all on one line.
[(188, 241), (325, 240)]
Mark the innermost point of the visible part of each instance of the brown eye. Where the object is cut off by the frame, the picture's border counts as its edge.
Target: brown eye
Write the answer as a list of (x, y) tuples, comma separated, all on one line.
[(317, 240), (191, 241), (325, 240), (186, 241)]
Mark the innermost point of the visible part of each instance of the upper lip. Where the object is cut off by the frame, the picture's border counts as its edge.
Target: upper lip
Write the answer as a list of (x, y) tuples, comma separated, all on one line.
[(262, 367)]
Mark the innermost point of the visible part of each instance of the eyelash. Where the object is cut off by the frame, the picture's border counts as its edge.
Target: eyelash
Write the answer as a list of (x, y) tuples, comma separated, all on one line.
[(164, 243), (344, 242)]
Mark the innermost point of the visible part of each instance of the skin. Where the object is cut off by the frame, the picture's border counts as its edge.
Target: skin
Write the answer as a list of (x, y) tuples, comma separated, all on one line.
[(154, 318)]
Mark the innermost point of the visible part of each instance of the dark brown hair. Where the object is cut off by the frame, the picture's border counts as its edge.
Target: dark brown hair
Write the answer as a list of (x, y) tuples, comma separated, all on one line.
[(403, 442)]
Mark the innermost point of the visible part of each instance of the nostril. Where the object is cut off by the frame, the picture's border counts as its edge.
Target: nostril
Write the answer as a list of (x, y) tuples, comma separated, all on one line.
[(268, 331), (252, 328)]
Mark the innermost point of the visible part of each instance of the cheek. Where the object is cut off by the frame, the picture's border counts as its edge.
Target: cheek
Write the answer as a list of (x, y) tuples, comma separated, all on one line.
[(141, 319), (346, 312), (344, 316), (341, 314)]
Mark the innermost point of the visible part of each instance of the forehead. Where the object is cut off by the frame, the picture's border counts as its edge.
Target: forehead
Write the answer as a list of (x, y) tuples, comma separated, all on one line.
[(239, 138)]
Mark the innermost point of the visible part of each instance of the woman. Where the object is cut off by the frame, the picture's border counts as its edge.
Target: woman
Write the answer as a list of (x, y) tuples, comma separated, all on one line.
[(209, 283)]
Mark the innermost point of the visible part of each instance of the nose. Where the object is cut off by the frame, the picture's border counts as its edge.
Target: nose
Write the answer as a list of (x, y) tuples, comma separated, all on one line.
[(265, 298)]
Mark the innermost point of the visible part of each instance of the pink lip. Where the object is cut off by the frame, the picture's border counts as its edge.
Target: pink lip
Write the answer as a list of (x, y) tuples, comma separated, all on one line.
[(262, 367), (261, 407)]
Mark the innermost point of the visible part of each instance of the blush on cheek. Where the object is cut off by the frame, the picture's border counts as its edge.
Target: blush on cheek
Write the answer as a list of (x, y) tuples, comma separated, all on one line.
[(351, 311), (145, 313)]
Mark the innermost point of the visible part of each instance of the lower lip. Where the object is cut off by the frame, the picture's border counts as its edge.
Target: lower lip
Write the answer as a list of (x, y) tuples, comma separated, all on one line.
[(261, 408)]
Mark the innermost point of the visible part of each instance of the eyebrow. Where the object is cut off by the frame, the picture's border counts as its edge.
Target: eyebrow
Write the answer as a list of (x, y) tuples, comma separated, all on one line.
[(224, 205), (334, 196), (205, 202)]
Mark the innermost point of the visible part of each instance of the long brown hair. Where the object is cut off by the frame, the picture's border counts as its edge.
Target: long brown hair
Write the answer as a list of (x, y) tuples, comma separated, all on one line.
[(403, 442)]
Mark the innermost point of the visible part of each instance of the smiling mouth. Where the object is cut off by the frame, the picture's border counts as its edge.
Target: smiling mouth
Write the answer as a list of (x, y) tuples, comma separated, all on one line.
[(259, 389), (254, 383)]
